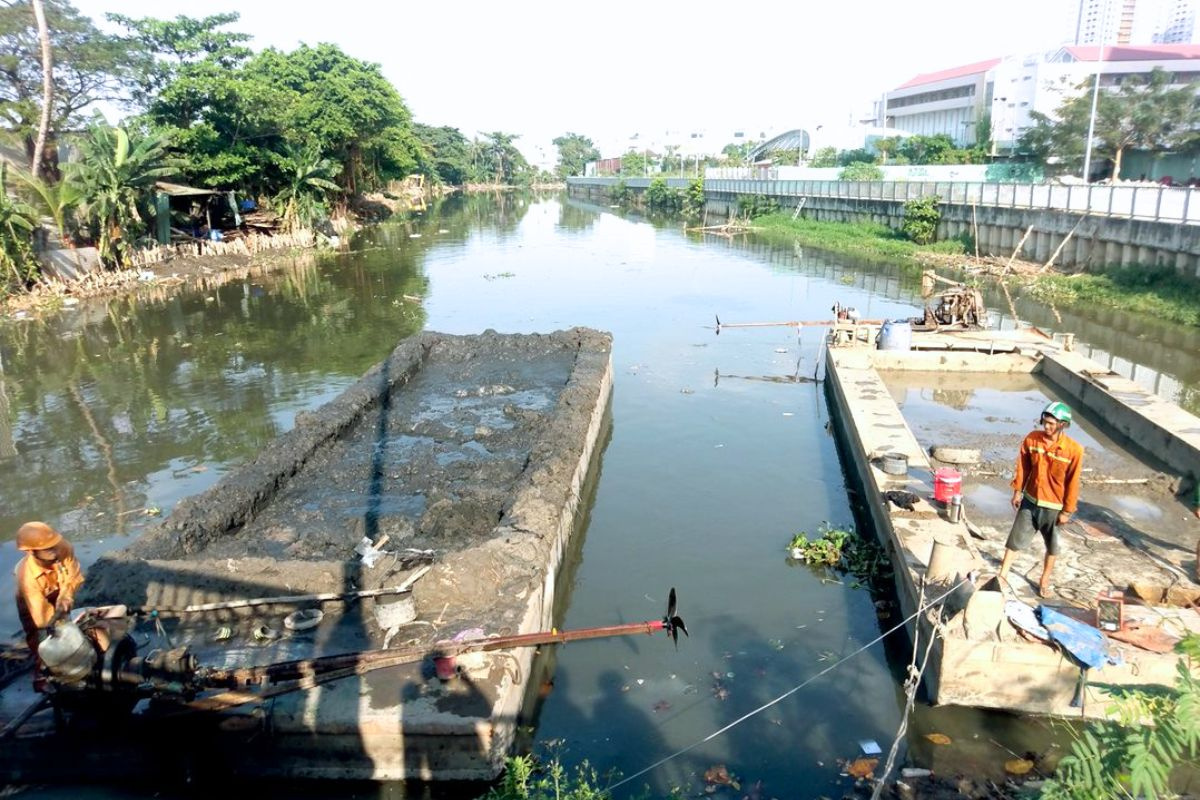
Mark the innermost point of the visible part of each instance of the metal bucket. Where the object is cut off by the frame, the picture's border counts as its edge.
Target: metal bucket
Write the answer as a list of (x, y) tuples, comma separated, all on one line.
[(394, 610), (894, 463), (67, 653)]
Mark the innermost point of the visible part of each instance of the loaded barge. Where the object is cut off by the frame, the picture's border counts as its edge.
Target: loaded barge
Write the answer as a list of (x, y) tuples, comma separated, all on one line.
[(431, 502), (1129, 564)]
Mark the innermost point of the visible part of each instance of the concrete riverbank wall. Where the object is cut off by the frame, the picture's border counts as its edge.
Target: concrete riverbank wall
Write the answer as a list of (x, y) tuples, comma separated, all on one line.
[(1097, 241), (473, 449)]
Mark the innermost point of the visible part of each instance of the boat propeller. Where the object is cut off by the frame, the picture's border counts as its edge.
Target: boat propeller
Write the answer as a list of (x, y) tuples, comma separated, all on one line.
[(672, 622)]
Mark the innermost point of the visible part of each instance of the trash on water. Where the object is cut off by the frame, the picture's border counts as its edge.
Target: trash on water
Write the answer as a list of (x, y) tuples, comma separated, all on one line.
[(304, 619), (265, 633), (780, 349), (145, 275), (938, 738), (1018, 766), (719, 775), (915, 772), (222, 634), (862, 768), (414, 236), (70, 301), (870, 747), (789, 414)]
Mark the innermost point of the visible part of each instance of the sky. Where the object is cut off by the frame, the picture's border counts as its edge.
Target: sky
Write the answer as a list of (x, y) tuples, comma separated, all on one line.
[(623, 67)]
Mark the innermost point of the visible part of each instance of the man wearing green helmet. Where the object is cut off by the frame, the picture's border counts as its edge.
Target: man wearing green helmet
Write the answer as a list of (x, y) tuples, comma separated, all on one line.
[(1045, 489)]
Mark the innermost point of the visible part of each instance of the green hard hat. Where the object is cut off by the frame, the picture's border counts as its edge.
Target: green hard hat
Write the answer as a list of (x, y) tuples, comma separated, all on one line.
[(1060, 411)]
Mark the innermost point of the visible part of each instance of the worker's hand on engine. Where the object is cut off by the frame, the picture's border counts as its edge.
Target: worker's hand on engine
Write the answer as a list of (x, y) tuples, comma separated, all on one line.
[(63, 606), (1016, 501)]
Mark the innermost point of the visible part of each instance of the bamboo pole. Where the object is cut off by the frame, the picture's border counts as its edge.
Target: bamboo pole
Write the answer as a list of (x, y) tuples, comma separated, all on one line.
[(1061, 245), (1016, 250), (320, 597)]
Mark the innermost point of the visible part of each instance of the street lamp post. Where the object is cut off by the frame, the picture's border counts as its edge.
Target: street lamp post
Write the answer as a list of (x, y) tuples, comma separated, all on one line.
[(1087, 153)]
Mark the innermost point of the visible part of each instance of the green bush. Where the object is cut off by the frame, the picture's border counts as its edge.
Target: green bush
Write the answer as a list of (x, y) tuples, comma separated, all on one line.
[(621, 193), (524, 780), (663, 199), (752, 206), (860, 171), (1135, 754), (694, 200), (18, 266), (921, 217)]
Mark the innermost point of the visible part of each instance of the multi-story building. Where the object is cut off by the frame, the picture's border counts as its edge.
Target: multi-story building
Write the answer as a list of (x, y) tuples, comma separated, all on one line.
[(1002, 93), (1136, 22)]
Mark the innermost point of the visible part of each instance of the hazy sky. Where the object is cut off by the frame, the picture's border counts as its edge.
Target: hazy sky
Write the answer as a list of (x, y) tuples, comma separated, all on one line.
[(610, 69)]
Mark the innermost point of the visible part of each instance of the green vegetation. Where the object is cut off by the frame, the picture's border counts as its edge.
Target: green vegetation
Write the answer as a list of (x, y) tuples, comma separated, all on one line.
[(754, 206), (574, 152), (863, 238), (694, 200), (525, 780), (921, 218), (17, 221), (300, 132), (860, 171), (845, 551), (1134, 755), (1145, 113), (662, 199), (1158, 292)]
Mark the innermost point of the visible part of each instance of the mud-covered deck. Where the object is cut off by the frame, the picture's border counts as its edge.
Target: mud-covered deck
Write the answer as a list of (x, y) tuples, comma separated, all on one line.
[(469, 453), (1133, 531)]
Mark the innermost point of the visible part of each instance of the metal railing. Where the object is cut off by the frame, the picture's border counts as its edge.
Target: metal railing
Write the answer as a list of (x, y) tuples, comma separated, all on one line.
[(1152, 203)]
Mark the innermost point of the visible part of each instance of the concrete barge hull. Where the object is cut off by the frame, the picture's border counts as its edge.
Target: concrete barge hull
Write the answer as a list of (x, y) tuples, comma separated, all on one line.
[(979, 659), (476, 447)]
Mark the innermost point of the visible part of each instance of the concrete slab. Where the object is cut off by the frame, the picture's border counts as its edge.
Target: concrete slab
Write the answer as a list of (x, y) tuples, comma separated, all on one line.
[(477, 448), (976, 663)]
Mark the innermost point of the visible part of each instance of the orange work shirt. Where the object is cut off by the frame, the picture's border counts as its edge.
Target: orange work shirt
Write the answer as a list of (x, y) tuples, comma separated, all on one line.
[(1048, 471), (37, 584)]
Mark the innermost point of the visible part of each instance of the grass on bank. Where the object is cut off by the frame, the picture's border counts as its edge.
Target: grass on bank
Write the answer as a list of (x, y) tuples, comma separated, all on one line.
[(1155, 291)]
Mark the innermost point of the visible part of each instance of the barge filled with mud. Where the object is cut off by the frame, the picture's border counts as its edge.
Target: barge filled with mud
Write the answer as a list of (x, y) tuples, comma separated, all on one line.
[(1127, 573), (432, 501)]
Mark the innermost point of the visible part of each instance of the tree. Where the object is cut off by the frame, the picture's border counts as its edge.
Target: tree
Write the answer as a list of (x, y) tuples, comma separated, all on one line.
[(39, 147), (1143, 112), (860, 155), (885, 145), (499, 159), (574, 152), (115, 176), (167, 48), (634, 164), (56, 200), (935, 149), (88, 67), (447, 152), (825, 157)]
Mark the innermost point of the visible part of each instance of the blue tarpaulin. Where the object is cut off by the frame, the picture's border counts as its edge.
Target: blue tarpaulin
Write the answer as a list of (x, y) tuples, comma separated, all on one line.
[(1085, 644)]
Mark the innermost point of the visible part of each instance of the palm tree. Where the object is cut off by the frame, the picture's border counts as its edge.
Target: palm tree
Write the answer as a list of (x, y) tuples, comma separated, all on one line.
[(54, 200), (309, 179), (114, 176)]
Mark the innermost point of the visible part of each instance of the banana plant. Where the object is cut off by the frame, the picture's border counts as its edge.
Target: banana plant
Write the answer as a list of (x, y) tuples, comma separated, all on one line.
[(309, 179), (17, 224), (115, 177)]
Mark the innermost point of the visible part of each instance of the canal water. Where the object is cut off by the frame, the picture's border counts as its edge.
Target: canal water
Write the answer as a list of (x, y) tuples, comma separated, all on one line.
[(719, 451)]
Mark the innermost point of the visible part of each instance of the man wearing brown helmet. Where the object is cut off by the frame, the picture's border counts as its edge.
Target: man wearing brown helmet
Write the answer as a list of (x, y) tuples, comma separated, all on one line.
[(47, 579)]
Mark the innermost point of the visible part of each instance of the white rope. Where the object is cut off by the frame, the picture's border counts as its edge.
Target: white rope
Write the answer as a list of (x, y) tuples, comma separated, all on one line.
[(789, 692)]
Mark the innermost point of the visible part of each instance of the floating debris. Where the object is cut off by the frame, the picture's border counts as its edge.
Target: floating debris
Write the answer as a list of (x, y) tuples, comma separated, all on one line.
[(661, 705), (719, 775), (862, 768), (938, 738)]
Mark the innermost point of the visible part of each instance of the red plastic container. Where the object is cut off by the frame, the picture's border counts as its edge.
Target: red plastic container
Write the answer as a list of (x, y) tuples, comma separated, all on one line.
[(947, 483)]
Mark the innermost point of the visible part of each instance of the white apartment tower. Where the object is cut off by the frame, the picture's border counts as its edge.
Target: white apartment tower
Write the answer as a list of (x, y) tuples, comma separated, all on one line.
[(1116, 22)]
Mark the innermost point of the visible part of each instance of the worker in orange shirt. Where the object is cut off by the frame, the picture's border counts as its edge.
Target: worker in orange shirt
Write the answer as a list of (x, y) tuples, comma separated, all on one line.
[(1045, 489), (47, 579)]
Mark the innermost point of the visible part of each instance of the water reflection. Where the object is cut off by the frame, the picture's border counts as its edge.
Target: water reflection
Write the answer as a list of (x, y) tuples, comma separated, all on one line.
[(129, 405)]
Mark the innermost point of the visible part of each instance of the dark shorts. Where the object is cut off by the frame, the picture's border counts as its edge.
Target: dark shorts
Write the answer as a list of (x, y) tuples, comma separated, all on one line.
[(1033, 519)]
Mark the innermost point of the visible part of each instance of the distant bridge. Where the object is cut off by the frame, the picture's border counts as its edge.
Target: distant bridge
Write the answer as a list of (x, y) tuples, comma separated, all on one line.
[(792, 140)]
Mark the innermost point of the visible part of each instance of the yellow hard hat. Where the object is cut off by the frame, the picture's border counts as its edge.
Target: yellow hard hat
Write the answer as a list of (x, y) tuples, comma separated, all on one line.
[(37, 536)]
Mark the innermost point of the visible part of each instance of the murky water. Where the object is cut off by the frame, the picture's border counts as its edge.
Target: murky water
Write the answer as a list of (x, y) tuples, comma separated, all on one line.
[(114, 411)]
